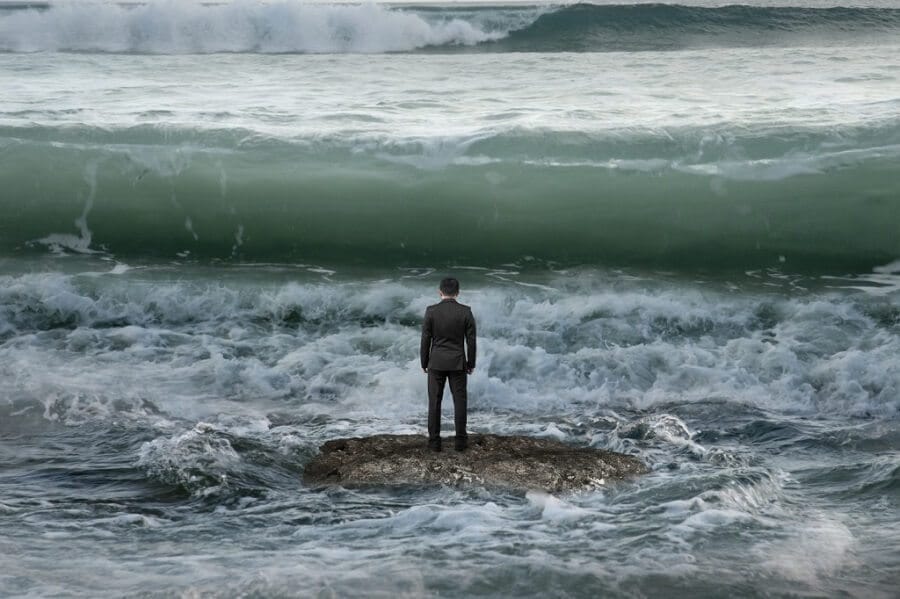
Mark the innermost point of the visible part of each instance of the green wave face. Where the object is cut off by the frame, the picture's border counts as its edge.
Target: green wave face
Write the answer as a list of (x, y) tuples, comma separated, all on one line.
[(659, 27), (515, 197)]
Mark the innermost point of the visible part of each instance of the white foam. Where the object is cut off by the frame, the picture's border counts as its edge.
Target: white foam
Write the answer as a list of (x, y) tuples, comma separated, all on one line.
[(457, 519), (81, 243), (890, 268), (711, 519), (196, 459), (101, 347), (554, 509), (174, 27), (821, 547)]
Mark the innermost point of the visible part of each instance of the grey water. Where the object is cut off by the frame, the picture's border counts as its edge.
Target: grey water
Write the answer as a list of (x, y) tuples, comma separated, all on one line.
[(678, 227)]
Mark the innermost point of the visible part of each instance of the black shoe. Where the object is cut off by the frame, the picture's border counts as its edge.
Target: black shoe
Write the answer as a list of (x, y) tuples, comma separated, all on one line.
[(434, 446), (460, 444)]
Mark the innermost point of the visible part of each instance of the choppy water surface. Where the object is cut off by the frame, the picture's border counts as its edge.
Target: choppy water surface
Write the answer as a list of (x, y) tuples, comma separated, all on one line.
[(678, 228), (156, 421)]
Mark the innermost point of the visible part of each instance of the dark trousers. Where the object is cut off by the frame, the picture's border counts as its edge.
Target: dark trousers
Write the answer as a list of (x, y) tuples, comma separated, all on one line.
[(436, 380)]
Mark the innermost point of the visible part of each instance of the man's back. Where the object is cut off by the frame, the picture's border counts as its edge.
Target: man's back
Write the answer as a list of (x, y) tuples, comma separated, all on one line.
[(448, 336), (448, 354)]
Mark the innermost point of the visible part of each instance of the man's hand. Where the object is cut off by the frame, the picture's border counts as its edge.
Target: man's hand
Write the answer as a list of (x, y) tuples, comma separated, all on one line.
[(469, 370), (425, 370)]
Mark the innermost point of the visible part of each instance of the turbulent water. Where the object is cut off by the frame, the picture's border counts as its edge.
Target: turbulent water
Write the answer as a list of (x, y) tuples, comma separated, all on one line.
[(678, 227)]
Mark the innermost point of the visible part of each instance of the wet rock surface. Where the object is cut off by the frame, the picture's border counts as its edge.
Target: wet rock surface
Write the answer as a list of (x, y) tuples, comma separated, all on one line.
[(493, 461)]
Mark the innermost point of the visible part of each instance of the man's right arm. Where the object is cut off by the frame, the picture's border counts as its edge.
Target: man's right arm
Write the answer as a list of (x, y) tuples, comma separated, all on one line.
[(427, 334)]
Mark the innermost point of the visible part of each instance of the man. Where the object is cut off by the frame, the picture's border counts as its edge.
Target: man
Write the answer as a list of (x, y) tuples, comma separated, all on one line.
[(446, 325)]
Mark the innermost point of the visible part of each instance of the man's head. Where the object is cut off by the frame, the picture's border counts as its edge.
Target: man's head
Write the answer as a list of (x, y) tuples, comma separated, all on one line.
[(449, 287)]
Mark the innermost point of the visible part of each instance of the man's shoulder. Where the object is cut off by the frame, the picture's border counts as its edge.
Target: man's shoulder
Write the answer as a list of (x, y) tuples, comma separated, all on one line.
[(465, 311), (460, 306)]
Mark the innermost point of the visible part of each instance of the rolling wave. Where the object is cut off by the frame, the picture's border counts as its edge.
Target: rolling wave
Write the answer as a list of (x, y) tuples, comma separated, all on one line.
[(805, 200), (587, 27), (168, 27)]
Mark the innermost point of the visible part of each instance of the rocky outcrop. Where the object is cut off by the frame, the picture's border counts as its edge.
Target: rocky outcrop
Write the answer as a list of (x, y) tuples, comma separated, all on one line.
[(493, 461)]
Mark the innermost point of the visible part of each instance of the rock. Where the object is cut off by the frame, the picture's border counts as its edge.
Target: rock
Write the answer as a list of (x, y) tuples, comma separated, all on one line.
[(493, 461)]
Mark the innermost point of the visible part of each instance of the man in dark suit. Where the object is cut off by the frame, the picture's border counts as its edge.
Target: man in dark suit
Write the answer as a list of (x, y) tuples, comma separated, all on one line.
[(446, 326)]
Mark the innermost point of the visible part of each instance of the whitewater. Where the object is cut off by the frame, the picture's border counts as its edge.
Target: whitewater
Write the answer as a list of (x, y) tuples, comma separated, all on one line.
[(678, 225)]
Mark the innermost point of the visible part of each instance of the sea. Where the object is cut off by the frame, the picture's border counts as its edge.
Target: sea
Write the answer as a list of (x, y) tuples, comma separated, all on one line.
[(677, 225)]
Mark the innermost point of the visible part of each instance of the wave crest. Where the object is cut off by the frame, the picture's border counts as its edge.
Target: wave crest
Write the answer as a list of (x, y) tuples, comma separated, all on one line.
[(679, 201), (170, 27)]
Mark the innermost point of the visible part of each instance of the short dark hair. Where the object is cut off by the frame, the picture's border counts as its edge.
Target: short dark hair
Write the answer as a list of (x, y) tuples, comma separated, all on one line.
[(449, 286)]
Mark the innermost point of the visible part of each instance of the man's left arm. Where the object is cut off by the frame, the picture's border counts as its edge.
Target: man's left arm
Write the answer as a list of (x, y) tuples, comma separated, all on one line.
[(470, 342)]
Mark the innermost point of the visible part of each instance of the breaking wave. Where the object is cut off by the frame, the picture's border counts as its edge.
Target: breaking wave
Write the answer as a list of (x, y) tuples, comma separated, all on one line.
[(169, 27), (805, 200)]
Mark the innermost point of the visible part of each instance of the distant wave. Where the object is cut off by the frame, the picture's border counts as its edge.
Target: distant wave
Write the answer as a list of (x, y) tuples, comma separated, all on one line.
[(819, 199), (169, 27), (587, 27)]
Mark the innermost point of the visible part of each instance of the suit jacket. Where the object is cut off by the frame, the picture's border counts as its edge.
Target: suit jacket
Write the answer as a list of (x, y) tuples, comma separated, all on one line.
[(446, 325)]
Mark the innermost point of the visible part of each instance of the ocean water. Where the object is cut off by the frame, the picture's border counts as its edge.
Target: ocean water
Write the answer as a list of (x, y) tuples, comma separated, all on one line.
[(678, 226)]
